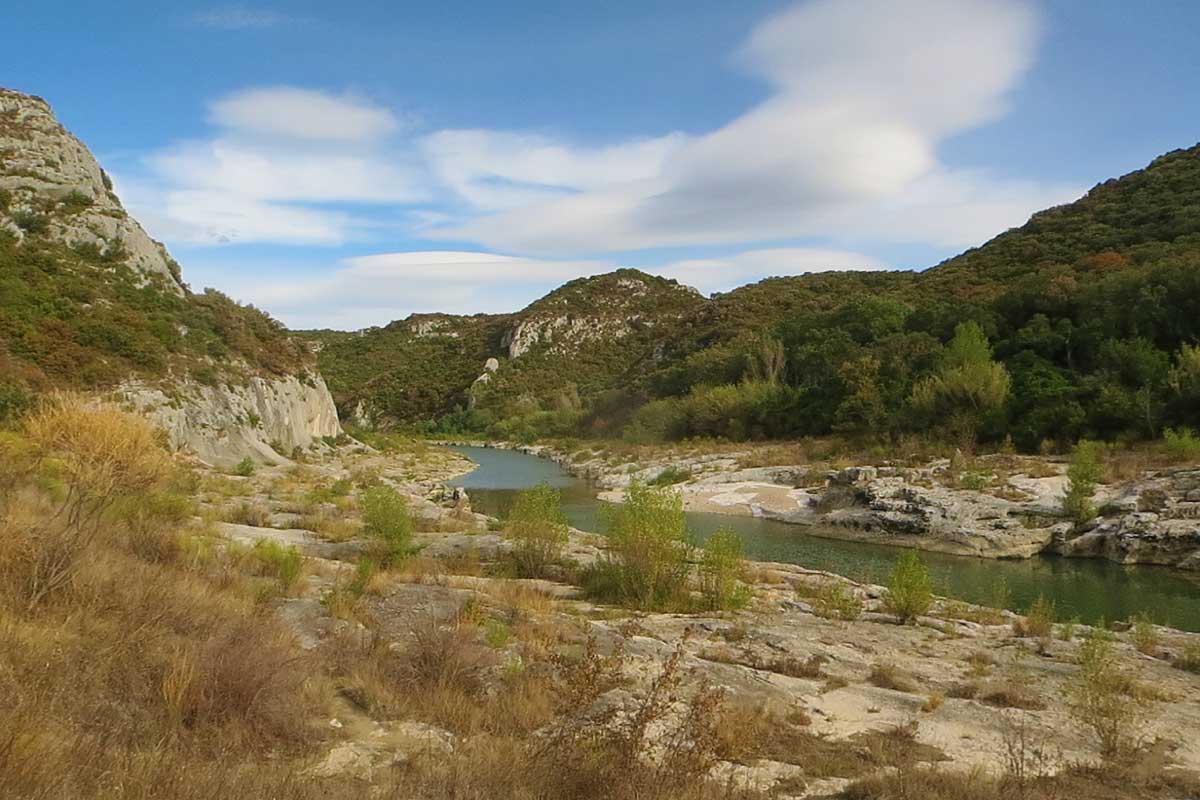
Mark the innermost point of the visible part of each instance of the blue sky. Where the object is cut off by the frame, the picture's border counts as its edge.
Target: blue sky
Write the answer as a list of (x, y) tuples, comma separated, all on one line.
[(345, 166)]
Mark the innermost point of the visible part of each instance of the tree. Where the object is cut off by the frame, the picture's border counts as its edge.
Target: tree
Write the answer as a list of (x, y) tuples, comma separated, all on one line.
[(968, 388), (1083, 474)]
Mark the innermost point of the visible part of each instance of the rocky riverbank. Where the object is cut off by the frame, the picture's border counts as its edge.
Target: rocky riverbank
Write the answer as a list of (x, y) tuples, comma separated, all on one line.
[(820, 686), (998, 506)]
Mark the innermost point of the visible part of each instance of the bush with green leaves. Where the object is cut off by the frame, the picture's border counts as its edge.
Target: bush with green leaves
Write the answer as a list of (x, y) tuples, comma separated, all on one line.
[(721, 587), (909, 593), (835, 602), (1083, 475), (537, 528), (387, 521), (1182, 444), (244, 468), (649, 550)]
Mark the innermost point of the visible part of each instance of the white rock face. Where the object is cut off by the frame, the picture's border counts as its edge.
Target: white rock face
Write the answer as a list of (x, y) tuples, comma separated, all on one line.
[(41, 161), (223, 424)]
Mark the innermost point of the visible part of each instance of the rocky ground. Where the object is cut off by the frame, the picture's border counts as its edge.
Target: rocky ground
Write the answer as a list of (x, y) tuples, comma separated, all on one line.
[(813, 701), (997, 506)]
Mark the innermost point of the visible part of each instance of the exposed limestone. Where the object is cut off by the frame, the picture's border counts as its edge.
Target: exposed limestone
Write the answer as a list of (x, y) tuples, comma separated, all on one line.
[(1154, 519), (41, 163), (266, 419)]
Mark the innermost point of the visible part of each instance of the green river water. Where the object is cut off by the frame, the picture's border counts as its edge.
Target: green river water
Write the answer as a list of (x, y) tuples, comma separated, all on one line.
[(1086, 588)]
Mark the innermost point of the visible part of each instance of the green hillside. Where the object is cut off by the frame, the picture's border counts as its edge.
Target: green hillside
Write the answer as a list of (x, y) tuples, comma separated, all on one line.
[(1081, 322)]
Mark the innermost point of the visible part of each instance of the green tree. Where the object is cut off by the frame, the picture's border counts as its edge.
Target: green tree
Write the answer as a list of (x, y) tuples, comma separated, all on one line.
[(968, 387), (537, 528), (1083, 474)]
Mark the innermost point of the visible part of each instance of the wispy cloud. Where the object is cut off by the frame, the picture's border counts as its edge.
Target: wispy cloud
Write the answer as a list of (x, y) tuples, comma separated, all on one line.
[(843, 150), (286, 166), (864, 91), (241, 18), (376, 289)]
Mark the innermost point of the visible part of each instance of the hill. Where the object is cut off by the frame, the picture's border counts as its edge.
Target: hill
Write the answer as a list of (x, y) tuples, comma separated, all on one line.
[(89, 301), (1089, 311)]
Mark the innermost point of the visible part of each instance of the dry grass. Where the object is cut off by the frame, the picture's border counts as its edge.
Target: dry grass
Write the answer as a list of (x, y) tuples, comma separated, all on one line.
[(889, 676), (1128, 782)]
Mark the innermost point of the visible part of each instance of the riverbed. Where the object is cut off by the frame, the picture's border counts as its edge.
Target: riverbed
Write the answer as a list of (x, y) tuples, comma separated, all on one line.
[(1089, 589)]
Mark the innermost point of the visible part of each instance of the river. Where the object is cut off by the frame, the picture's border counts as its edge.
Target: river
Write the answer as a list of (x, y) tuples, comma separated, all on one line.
[(1086, 588)]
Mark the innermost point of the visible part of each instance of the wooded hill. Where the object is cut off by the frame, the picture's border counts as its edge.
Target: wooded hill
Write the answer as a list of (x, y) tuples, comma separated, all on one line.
[(1082, 322)]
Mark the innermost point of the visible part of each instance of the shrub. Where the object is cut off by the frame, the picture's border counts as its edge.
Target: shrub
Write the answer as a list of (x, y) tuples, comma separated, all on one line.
[(14, 402), (647, 563), (99, 456), (277, 561), (1039, 620), (1144, 635), (721, 570), (909, 593), (1083, 474), (1189, 659), (1182, 444), (244, 468), (387, 521), (889, 676), (671, 476), (1096, 697), (834, 602), (538, 528)]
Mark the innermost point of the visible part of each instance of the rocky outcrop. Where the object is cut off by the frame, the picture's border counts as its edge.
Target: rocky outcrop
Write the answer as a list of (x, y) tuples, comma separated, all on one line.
[(266, 419), (1154, 519), (50, 182)]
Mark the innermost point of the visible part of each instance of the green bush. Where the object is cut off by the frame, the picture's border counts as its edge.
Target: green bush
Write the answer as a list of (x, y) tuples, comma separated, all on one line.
[(909, 593), (1182, 444), (245, 467), (1083, 474), (282, 563), (387, 521), (721, 570), (14, 402), (537, 528), (648, 560), (671, 476), (834, 602)]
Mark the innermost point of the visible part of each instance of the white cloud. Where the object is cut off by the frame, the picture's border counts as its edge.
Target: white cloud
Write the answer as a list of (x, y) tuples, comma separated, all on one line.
[(240, 18), (283, 168), (865, 91), (845, 148), (303, 114), (377, 289), (723, 274), (288, 173), (494, 170)]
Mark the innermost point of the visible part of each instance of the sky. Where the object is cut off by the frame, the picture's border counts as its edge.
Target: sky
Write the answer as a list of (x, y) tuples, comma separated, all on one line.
[(344, 165)]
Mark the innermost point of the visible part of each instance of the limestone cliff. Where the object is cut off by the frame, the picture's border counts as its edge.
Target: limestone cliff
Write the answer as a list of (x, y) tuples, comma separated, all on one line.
[(95, 304), (268, 419), (54, 185)]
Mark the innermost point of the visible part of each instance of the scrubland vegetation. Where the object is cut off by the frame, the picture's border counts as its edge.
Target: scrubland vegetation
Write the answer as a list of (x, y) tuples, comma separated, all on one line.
[(143, 656)]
